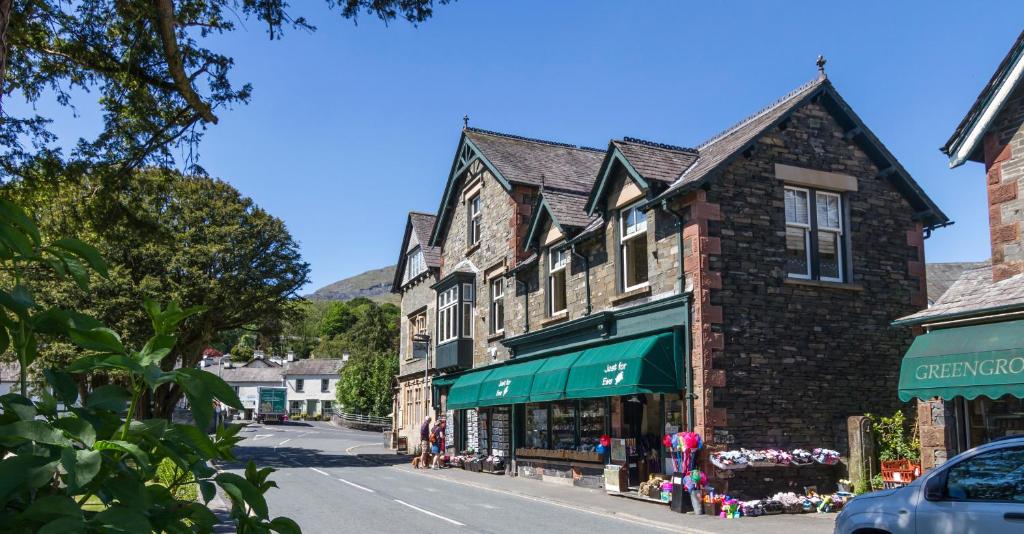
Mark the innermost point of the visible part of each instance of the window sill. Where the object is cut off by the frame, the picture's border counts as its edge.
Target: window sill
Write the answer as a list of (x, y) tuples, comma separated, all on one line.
[(554, 319), (639, 292), (471, 249), (848, 286), (494, 337)]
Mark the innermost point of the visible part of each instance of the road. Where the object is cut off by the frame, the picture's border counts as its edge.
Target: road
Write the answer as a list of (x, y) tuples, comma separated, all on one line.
[(340, 480)]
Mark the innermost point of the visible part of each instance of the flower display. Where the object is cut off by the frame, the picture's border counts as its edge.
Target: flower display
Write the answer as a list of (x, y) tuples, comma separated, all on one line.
[(826, 456)]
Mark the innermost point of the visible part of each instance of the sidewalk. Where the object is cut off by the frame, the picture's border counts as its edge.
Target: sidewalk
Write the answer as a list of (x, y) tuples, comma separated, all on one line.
[(600, 503)]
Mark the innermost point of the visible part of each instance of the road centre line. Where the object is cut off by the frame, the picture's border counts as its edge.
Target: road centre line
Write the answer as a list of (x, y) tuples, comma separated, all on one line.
[(258, 437), (321, 472), (283, 442), (432, 514), (354, 485)]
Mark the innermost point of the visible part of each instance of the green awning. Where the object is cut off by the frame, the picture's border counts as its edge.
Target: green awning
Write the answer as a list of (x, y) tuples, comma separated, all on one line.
[(509, 384), (465, 392), (442, 381), (549, 381), (968, 361), (644, 365)]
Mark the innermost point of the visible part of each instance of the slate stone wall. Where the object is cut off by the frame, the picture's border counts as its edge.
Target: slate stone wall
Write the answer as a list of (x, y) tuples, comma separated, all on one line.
[(1004, 164)]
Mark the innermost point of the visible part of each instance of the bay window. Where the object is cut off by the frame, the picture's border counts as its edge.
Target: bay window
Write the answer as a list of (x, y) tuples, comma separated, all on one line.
[(814, 234), (447, 314), (633, 247), (557, 261)]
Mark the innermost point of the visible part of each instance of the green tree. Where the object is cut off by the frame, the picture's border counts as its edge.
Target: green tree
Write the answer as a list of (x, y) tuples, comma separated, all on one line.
[(194, 240), (365, 384), (338, 319)]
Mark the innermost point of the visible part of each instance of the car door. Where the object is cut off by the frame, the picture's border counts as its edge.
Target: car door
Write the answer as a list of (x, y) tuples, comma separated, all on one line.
[(983, 494)]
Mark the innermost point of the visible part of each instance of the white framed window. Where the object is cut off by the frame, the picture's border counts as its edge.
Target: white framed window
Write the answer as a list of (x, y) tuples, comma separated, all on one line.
[(325, 385), (633, 247), (414, 264), (814, 244), (558, 259), (300, 385), (497, 315), (798, 233), (447, 318), (475, 219)]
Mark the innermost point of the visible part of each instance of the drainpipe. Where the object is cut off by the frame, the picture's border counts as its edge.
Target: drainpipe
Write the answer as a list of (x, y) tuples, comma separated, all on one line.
[(526, 303), (687, 331), (586, 271)]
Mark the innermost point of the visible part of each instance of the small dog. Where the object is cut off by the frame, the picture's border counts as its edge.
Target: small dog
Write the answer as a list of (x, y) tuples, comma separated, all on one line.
[(416, 462)]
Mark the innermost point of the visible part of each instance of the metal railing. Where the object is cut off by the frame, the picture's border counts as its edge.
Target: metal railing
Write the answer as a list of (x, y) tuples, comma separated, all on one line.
[(363, 421)]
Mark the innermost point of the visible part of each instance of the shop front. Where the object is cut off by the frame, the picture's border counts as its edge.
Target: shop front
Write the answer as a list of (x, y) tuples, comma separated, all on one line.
[(970, 381), (572, 401)]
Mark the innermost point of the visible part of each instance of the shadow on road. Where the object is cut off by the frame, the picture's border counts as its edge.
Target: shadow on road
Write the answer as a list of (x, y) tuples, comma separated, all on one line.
[(290, 457)]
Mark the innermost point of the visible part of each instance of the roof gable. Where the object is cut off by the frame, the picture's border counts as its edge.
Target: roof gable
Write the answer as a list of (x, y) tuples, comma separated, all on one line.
[(418, 227), (645, 163), (716, 153), (965, 143), (565, 210)]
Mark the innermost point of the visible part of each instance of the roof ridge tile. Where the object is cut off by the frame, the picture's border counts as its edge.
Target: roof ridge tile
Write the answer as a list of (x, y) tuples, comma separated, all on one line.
[(785, 98), (664, 146), (529, 139)]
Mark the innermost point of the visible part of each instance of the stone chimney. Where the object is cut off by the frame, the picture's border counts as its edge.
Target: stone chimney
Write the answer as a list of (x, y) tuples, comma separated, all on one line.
[(290, 356), (1004, 169)]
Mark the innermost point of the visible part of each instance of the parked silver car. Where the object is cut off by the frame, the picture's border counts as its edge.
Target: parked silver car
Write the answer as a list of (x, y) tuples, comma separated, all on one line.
[(978, 492)]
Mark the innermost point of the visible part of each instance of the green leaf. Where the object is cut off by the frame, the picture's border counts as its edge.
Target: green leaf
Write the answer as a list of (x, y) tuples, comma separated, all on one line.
[(35, 430), (19, 405), (199, 398), (122, 519), (98, 339), (130, 448), (195, 439), (50, 506), (242, 491), (201, 515), (104, 361), (18, 301), (156, 349), (64, 525), (5, 340), (77, 428), (86, 252), (64, 385), (215, 385), (110, 397), (165, 321), (13, 214), (58, 321), (24, 472), (16, 240), (285, 526), (208, 490), (81, 466), (77, 272)]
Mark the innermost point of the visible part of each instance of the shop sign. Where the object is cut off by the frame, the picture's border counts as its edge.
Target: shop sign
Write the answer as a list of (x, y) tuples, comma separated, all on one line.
[(613, 374), (970, 368), (503, 388)]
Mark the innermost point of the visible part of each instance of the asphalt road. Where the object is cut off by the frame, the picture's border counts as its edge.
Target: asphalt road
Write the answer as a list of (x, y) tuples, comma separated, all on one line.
[(339, 480)]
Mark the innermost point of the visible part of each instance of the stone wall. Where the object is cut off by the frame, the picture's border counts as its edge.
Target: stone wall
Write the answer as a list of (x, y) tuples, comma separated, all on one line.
[(797, 358), (416, 296), (1004, 165)]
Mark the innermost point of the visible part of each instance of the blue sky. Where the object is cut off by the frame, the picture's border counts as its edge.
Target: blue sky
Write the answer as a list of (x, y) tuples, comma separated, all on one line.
[(351, 127)]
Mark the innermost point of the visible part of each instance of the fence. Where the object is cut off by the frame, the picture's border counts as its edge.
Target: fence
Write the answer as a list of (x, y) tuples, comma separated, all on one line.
[(364, 422)]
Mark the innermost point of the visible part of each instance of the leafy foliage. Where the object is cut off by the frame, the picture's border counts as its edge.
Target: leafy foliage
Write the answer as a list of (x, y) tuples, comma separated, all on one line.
[(68, 465), (896, 437), (365, 384)]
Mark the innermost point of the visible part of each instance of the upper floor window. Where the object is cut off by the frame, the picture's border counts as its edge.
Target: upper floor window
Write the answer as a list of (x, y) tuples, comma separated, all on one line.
[(497, 314), (633, 247), (325, 385), (300, 385), (558, 258), (417, 326), (814, 234), (475, 219), (414, 264), (447, 314)]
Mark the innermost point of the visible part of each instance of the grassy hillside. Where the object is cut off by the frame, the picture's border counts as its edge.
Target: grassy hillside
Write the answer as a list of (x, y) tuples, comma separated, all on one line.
[(374, 285)]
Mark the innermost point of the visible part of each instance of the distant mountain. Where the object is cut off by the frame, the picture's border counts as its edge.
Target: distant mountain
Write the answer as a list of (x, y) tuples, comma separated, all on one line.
[(374, 285)]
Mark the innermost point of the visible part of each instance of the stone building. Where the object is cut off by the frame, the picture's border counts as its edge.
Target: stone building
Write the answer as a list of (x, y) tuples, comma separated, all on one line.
[(743, 289), (967, 369)]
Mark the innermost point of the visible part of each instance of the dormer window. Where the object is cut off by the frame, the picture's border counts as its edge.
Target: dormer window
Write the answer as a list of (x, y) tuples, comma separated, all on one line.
[(633, 247), (558, 258), (414, 264), (475, 208)]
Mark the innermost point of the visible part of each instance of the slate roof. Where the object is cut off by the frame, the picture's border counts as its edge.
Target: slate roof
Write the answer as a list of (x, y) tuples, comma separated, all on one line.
[(527, 161), (655, 161), (423, 225), (314, 366), (9, 372), (980, 103), (942, 275), (973, 294), (234, 375), (568, 209)]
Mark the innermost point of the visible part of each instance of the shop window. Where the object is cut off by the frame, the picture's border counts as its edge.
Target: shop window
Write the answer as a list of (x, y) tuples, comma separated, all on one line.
[(591, 423), (992, 476), (537, 426), (294, 407), (475, 220), (814, 245), (563, 425), (994, 418), (633, 247), (467, 310), (497, 315), (557, 261)]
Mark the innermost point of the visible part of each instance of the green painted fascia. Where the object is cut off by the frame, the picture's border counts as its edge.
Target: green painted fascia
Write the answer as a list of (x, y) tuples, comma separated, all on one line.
[(614, 155), (443, 212), (973, 314)]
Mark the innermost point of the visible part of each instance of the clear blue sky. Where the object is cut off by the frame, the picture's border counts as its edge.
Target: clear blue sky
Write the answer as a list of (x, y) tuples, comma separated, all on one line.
[(351, 127)]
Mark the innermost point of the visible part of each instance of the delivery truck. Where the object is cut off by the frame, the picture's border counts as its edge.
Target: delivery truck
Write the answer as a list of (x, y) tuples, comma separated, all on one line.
[(271, 404)]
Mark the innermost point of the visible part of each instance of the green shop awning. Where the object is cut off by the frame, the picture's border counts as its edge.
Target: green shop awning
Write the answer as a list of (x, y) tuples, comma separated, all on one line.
[(465, 391), (644, 365), (968, 361), (509, 384), (549, 381)]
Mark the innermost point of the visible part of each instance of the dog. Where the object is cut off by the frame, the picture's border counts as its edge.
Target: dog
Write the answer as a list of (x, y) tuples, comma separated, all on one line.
[(416, 462)]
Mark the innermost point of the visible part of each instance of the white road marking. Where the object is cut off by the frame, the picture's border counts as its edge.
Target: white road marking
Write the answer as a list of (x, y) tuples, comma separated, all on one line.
[(258, 437), (321, 472), (283, 442), (431, 514), (354, 485)]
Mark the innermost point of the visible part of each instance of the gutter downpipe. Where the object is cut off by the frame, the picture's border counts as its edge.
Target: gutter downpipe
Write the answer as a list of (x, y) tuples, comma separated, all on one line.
[(586, 270), (687, 330)]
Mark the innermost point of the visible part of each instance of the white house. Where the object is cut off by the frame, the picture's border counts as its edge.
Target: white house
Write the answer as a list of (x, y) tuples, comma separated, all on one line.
[(311, 385), (247, 379)]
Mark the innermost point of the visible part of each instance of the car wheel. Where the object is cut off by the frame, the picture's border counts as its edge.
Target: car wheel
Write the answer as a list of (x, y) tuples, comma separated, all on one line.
[(871, 531)]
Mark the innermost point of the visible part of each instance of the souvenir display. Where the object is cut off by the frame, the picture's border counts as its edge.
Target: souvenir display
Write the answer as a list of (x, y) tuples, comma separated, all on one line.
[(802, 457), (826, 456), (729, 460)]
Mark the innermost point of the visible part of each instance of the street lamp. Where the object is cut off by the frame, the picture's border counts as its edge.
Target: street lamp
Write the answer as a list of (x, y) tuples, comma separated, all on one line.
[(423, 340)]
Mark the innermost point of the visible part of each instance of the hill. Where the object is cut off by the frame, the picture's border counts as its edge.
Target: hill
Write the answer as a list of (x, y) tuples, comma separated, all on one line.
[(374, 285)]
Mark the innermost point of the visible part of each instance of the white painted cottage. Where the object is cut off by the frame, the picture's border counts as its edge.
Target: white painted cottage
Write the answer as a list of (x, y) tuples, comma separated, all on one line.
[(311, 385)]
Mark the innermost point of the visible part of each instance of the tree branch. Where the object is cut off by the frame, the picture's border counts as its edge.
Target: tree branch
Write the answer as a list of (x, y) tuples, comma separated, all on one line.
[(165, 25)]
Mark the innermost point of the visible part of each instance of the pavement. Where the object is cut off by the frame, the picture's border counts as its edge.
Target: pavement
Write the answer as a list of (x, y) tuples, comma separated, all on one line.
[(333, 479)]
